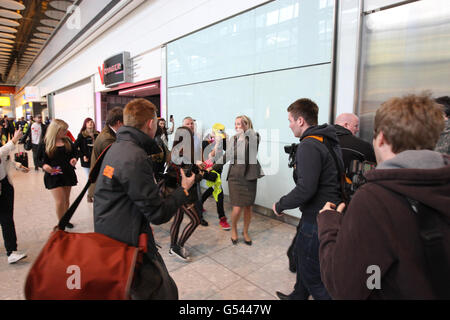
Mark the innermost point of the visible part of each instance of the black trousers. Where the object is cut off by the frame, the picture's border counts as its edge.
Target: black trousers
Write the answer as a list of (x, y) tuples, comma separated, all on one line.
[(219, 203), (34, 148), (6, 216)]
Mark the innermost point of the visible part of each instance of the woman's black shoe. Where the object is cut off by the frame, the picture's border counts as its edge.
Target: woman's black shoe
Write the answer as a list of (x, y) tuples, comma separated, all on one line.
[(69, 225), (282, 296), (235, 242), (249, 243)]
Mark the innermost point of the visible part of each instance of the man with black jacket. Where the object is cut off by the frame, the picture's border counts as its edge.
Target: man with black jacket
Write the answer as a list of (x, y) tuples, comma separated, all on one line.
[(353, 148), (127, 198), (36, 132), (317, 180)]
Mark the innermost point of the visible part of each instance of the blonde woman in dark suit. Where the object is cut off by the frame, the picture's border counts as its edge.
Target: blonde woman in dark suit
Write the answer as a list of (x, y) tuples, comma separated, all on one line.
[(243, 174)]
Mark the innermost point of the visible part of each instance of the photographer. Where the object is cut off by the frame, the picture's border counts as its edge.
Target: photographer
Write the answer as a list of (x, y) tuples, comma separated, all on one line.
[(127, 198), (376, 250), (317, 181), (7, 201), (352, 147), (183, 162)]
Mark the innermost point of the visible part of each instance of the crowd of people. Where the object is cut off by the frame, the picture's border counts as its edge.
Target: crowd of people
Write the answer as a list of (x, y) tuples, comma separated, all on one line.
[(360, 202)]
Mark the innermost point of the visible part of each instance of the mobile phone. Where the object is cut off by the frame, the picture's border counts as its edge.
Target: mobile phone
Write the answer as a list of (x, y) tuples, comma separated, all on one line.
[(171, 117)]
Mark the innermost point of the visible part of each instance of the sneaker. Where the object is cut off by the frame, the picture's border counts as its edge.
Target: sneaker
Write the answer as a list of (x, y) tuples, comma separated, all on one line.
[(16, 256), (203, 222), (180, 252), (224, 223)]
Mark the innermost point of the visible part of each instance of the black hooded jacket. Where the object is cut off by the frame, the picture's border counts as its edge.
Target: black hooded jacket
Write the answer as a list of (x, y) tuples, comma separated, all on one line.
[(317, 175), (126, 191), (353, 148)]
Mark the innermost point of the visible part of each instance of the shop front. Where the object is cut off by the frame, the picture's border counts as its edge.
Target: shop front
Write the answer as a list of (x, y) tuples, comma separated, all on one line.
[(117, 87)]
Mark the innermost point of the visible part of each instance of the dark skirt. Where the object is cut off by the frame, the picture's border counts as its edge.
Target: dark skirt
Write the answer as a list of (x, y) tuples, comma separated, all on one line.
[(67, 179), (242, 191)]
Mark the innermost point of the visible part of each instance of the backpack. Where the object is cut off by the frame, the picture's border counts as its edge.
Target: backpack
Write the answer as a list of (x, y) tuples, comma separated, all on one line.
[(345, 183)]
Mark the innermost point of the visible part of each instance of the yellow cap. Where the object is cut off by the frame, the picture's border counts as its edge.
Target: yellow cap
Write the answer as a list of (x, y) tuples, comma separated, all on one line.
[(219, 129)]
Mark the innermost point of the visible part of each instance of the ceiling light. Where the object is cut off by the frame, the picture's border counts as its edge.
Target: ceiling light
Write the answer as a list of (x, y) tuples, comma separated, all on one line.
[(10, 14), (9, 22), (38, 40), (54, 14), (7, 29), (36, 45), (10, 4), (50, 22), (151, 86), (6, 40), (42, 35), (7, 35), (60, 5), (45, 29), (5, 45)]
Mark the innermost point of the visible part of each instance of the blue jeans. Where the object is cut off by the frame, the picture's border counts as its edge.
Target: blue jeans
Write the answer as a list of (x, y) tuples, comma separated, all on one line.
[(309, 281)]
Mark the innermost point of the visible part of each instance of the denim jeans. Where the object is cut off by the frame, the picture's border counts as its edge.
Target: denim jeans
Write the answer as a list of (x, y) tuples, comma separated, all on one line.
[(309, 281)]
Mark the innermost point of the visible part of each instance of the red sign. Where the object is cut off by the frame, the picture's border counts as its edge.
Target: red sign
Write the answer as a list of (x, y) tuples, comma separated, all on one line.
[(101, 71), (6, 90)]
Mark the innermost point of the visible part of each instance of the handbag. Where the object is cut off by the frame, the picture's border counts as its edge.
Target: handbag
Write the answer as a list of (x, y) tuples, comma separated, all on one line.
[(84, 266), (22, 158), (27, 145)]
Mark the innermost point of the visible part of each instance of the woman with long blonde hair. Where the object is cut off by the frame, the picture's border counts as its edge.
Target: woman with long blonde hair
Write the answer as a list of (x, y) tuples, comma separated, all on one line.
[(60, 159), (243, 175)]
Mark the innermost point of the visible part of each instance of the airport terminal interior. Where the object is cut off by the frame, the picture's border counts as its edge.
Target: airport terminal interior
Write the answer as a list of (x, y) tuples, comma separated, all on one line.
[(214, 67)]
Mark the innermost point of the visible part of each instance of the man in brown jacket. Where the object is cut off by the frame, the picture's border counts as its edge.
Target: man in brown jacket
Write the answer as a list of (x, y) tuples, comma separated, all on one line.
[(375, 250), (114, 120)]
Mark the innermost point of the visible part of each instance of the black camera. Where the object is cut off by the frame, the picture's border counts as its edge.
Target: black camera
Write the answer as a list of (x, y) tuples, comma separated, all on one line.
[(291, 150), (357, 172), (190, 169)]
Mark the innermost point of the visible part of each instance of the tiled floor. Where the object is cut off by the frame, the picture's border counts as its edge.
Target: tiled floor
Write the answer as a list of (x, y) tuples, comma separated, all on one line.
[(218, 270)]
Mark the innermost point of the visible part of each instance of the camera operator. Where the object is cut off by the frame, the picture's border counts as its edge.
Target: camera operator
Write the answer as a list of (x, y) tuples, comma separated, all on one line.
[(127, 198), (381, 248), (317, 181), (352, 147)]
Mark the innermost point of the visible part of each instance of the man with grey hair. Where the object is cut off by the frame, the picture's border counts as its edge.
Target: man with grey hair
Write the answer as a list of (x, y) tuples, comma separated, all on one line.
[(353, 148)]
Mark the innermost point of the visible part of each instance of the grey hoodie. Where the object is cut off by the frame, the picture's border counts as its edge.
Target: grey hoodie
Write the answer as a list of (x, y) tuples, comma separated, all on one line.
[(414, 159)]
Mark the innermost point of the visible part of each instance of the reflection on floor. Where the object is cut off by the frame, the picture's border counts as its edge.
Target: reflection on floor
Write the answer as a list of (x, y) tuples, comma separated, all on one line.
[(218, 270)]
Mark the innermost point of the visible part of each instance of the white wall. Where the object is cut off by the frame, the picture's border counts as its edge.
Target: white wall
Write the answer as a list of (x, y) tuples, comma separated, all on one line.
[(142, 32), (74, 105)]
